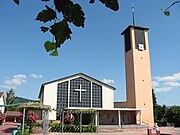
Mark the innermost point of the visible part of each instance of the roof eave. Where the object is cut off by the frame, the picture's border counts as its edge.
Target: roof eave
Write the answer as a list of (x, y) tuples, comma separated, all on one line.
[(79, 74), (134, 26)]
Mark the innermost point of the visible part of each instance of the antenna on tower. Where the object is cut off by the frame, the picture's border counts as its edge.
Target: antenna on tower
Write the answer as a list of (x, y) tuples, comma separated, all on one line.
[(133, 14)]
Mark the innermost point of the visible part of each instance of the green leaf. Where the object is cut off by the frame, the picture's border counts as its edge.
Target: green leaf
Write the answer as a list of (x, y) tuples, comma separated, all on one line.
[(91, 1), (167, 13), (78, 15), (16, 1), (44, 29), (61, 31), (60, 4), (112, 4), (73, 13), (46, 15), (54, 53), (49, 46)]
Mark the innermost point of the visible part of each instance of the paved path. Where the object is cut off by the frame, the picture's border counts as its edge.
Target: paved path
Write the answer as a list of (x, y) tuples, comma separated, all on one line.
[(174, 132), (7, 128)]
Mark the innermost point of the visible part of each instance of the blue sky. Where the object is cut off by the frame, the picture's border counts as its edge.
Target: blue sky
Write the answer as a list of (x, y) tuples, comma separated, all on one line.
[(97, 50)]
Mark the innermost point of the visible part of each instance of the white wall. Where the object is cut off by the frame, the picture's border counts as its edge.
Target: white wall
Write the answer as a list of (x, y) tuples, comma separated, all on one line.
[(2, 103), (107, 97), (50, 98)]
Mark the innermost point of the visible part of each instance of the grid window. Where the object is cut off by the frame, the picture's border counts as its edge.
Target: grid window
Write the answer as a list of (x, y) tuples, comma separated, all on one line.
[(96, 96), (62, 97), (75, 95)]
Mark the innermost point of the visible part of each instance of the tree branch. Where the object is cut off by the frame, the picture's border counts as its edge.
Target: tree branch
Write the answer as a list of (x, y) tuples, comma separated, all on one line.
[(172, 5)]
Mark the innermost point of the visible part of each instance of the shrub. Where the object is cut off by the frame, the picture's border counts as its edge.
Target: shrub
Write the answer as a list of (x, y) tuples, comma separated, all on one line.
[(20, 132), (173, 115), (26, 131), (69, 118), (1, 119), (20, 118), (32, 117), (55, 127)]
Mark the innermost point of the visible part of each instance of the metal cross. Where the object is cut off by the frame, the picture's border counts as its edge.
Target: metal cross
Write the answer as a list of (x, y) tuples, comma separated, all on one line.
[(80, 90)]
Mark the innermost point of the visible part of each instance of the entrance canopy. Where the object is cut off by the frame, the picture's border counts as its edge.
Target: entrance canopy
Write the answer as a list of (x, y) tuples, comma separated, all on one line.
[(105, 109), (36, 106), (115, 116)]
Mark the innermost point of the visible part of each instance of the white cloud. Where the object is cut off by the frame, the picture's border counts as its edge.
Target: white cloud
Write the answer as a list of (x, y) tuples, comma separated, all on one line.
[(20, 76), (166, 83), (174, 77), (108, 81), (163, 89), (6, 87), (15, 81), (36, 76), (172, 84), (155, 84)]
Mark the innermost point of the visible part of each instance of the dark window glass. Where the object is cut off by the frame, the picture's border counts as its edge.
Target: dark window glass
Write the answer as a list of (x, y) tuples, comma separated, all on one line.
[(139, 38), (96, 96), (62, 94), (127, 40)]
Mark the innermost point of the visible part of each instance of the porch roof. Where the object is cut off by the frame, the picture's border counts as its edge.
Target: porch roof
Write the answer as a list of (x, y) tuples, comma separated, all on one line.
[(105, 109)]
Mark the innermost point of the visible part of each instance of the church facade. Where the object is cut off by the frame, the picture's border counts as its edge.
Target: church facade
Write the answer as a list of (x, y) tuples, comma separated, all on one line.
[(81, 91), (76, 91)]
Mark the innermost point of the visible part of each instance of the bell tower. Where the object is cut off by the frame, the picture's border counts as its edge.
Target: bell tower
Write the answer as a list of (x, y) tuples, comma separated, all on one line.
[(138, 73)]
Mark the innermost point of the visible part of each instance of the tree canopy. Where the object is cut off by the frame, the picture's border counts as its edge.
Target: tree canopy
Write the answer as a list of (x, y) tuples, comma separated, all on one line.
[(164, 115), (10, 99), (173, 115), (59, 15)]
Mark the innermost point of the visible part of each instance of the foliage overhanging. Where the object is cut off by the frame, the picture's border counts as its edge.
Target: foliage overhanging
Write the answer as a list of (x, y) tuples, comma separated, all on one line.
[(59, 16)]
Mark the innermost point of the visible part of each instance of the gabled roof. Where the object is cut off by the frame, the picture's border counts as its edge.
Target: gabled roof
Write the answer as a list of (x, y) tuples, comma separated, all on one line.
[(71, 76), (1, 94)]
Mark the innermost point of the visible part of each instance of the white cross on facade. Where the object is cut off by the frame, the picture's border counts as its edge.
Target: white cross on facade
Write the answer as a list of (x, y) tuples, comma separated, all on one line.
[(80, 90)]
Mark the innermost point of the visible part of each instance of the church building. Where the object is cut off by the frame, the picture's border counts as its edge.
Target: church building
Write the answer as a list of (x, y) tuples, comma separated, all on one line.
[(80, 91)]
